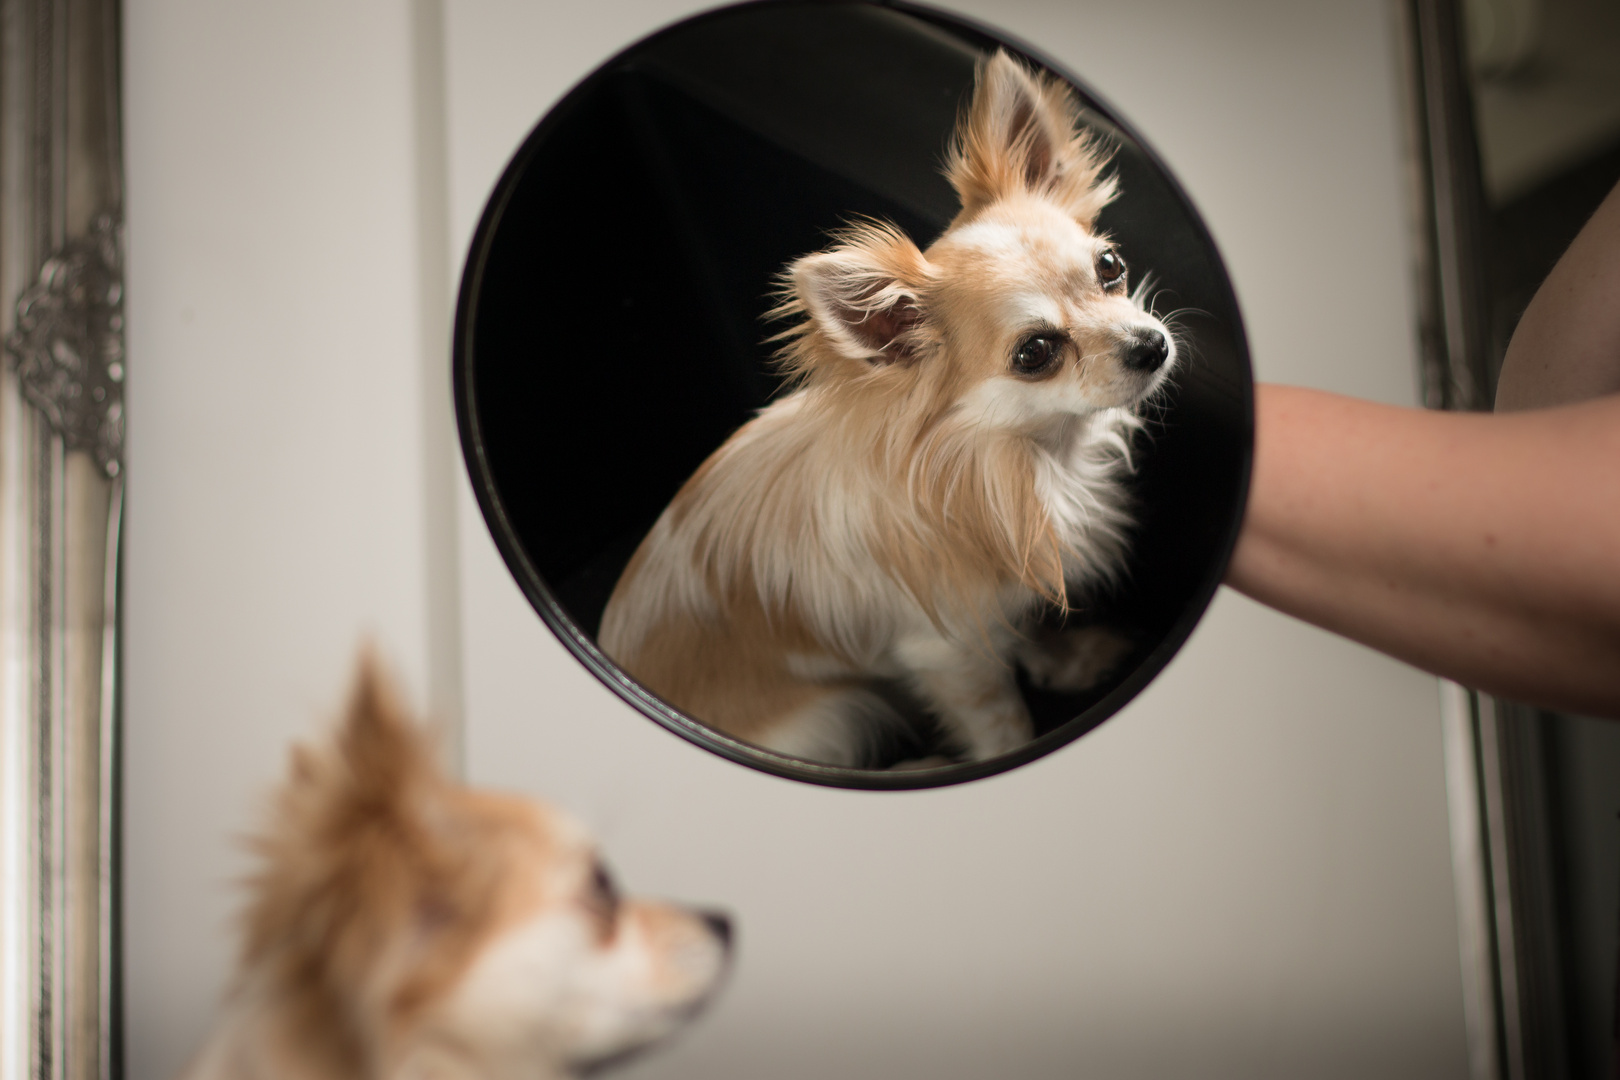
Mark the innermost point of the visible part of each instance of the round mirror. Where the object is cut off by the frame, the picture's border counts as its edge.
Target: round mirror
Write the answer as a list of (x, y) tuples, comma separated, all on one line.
[(853, 392)]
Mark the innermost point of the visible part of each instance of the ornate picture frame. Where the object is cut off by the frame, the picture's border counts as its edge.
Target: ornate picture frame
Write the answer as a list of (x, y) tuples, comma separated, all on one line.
[(61, 505)]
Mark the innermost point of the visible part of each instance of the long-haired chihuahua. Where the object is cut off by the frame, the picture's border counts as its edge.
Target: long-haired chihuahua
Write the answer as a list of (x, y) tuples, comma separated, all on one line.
[(949, 463), (405, 925)]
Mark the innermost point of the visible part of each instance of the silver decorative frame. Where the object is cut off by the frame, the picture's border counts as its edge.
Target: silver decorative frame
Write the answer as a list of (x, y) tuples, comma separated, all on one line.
[(1500, 839), (61, 503)]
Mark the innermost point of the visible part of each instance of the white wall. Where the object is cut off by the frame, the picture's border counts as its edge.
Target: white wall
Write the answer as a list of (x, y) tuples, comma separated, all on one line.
[(1245, 873), (278, 495)]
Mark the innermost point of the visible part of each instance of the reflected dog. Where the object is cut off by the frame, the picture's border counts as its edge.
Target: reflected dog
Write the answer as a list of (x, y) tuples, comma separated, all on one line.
[(403, 925), (949, 464)]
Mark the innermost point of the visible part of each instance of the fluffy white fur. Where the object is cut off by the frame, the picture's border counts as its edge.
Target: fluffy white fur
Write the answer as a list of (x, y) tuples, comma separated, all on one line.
[(906, 511)]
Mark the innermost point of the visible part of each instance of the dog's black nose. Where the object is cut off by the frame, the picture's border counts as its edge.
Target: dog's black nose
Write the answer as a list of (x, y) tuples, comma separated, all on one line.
[(719, 925), (1147, 351)]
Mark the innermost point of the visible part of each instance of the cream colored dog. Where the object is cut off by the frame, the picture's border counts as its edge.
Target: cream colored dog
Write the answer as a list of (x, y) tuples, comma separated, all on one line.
[(950, 461), (405, 926)]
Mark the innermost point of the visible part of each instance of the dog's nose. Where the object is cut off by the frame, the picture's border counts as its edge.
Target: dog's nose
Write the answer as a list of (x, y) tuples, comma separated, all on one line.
[(719, 925), (1147, 351)]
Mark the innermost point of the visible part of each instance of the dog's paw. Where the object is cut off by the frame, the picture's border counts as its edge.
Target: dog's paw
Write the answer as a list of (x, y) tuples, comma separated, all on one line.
[(1073, 660)]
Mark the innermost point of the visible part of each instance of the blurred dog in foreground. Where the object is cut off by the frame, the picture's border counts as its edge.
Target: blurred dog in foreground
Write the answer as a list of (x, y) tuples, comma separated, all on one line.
[(404, 925), (950, 463)]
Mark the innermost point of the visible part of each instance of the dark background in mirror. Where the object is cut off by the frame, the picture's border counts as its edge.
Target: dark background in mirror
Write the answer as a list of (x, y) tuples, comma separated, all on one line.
[(612, 326)]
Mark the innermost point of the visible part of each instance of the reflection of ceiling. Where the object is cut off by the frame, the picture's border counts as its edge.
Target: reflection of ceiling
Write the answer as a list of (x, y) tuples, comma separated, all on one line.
[(1559, 104)]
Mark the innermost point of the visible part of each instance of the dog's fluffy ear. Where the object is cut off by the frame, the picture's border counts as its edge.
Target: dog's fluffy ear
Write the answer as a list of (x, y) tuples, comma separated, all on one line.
[(390, 765), (348, 858), (863, 296), (1022, 134)]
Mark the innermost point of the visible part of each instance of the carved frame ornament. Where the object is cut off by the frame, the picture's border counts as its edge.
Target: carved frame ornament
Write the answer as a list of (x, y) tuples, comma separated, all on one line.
[(68, 343)]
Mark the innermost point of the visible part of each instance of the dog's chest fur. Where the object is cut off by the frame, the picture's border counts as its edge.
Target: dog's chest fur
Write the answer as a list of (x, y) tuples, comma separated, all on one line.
[(816, 522)]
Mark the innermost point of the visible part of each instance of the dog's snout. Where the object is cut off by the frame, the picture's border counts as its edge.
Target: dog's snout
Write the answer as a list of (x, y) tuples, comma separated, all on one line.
[(1147, 350), (719, 925)]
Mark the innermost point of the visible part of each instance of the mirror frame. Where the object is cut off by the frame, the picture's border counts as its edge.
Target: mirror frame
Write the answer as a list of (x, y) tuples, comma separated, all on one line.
[(61, 505), (1503, 844), (584, 648)]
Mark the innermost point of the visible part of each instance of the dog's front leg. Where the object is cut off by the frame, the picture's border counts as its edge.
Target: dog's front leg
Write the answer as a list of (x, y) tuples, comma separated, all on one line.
[(1072, 659), (972, 691)]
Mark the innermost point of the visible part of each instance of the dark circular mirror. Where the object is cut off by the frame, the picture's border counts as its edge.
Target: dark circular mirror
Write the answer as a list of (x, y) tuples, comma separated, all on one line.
[(615, 329)]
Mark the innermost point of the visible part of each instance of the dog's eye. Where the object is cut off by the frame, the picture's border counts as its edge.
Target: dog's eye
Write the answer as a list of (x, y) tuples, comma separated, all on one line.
[(1110, 267), (1037, 354), (605, 892), (601, 901)]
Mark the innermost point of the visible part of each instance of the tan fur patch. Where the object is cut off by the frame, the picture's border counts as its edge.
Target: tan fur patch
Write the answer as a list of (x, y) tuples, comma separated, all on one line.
[(381, 879), (731, 671), (1004, 148)]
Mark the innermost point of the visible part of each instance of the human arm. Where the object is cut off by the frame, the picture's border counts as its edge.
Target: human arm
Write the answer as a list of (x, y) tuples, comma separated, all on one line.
[(1483, 548)]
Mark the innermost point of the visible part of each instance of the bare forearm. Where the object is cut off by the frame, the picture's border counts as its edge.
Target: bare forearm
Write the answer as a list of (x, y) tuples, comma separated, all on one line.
[(1484, 548)]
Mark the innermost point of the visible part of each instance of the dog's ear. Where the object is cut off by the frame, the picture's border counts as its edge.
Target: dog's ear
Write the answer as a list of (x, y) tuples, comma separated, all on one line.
[(864, 295), (1022, 134), (349, 848), (389, 761)]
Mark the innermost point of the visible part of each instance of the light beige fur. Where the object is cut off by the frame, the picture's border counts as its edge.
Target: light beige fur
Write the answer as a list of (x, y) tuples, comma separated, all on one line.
[(405, 926), (905, 512)]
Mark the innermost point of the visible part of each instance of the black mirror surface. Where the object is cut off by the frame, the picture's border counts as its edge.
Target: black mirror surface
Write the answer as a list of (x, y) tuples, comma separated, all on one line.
[(611, 330)]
